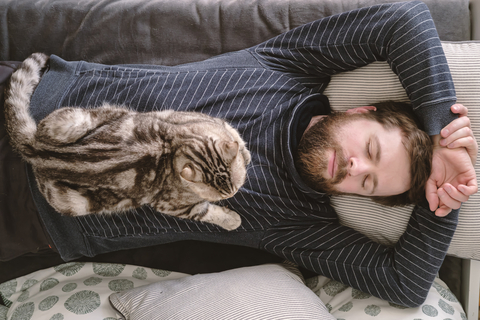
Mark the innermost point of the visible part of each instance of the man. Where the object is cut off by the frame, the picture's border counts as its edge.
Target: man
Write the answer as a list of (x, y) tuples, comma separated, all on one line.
[(266, 92)]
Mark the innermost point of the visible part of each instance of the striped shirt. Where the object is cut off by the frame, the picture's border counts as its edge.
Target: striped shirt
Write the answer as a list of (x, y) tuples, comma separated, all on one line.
[(263, 91)]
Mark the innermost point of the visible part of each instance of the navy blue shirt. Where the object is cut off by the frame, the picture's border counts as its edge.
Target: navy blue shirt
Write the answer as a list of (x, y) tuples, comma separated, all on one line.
[(268, 92)]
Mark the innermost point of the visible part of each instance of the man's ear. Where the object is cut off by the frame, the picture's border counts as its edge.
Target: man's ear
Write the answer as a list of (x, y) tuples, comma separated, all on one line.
[(364, 109)]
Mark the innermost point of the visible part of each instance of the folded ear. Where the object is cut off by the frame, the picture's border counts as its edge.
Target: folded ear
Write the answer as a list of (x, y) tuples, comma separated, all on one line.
[(229, 149), (364, 109)]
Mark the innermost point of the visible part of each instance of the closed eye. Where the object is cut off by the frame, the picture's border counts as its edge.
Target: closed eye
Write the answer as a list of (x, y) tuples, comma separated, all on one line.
[(364, 181)]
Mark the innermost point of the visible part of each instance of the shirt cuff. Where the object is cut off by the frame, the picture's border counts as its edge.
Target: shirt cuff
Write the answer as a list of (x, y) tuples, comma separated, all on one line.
[(435, 117)]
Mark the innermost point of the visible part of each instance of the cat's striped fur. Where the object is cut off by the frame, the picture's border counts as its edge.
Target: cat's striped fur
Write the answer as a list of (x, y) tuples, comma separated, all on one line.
[(111, 159)]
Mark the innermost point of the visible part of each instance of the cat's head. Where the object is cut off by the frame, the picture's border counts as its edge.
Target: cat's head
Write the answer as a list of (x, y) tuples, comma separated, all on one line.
[(214, 169)]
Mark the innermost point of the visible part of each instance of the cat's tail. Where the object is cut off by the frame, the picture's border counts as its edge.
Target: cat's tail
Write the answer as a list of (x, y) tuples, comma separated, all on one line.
[(20, 125)]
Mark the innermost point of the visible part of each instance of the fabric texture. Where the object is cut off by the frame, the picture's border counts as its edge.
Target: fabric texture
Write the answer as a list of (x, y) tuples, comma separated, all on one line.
[(74, 290), (260, 292), (376, 82), (83, 291), (349, 304), (262, 91), (169, 32), (21, 231)]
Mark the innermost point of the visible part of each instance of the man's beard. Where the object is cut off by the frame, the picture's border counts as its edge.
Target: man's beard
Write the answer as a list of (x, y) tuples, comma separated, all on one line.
[(314, 145)]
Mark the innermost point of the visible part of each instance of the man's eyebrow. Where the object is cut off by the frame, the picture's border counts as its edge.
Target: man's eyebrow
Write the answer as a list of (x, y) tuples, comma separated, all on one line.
[(379, 149), (376, 159)]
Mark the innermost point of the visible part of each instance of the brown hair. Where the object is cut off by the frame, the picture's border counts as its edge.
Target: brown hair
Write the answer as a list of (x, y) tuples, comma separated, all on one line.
[(417, 143)]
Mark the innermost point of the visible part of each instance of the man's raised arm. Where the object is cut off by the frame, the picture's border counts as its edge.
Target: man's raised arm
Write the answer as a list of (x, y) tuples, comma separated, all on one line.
[(404, 35)]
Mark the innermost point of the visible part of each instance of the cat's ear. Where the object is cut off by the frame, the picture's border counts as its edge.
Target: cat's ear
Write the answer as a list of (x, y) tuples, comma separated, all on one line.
[(229, 149), (189, 173)]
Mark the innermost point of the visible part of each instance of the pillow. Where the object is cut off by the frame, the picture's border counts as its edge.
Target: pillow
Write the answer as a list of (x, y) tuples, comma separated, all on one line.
[(376, 82), (261, 292), (73, 291), (346, 303)]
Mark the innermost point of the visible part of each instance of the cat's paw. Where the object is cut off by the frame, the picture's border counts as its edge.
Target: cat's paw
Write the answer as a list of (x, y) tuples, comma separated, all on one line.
[(223, 217), (233, 220)]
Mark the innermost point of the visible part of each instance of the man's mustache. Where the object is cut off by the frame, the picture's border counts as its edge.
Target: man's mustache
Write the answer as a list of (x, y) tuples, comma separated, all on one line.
[(342, 164)]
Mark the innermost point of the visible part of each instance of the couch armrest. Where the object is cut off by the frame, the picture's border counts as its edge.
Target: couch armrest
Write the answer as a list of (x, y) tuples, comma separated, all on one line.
[(470, 287)]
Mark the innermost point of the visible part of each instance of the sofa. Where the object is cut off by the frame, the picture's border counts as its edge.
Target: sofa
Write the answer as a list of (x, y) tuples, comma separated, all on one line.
[(170, 32)]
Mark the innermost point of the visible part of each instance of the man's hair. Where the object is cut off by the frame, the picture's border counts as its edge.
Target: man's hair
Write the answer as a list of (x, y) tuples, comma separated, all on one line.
[(417, 143)]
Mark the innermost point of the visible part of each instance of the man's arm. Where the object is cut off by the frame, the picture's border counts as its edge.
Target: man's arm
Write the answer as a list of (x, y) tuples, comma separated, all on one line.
[(404, 35), (402, 274)]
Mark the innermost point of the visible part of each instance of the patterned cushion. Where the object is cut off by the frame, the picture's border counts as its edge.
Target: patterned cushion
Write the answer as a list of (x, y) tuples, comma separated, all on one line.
[(376, 82), (275, 291), (346, 303)]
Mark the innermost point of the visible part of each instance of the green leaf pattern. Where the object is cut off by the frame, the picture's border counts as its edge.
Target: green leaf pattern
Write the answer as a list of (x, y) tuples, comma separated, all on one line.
[(3, 312), (48, 284), (8, 288), (23, 296), (24, 311), (70, 268), (161, 273), (48, 303), (373, 310), (140, 273), (445, 293), (120, 285), (69, 287), (108, 269), (92, 281), (83, 302), (28, 284)]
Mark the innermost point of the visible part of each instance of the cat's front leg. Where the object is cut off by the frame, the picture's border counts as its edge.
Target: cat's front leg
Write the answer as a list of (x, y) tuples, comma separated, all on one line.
[(211, 213)]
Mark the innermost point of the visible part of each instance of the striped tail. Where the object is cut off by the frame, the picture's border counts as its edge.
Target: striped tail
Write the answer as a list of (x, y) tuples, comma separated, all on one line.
[(20, 125)]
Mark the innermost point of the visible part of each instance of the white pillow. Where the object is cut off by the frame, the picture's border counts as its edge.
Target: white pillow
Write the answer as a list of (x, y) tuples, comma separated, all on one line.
[(376, 82), (260, 292)]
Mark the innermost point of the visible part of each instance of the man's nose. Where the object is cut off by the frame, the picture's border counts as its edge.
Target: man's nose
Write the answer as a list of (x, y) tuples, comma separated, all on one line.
[(357, 167)]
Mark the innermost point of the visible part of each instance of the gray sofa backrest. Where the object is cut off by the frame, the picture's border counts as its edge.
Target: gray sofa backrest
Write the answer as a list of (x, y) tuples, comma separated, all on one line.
[(171, 32)]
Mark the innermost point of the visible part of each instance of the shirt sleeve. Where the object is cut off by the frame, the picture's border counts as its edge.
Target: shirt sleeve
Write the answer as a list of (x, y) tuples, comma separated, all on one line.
[(402, 274), (403, 34)]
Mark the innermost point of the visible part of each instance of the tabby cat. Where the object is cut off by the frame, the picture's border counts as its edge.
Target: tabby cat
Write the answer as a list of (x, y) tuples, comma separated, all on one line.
[(111, 159)]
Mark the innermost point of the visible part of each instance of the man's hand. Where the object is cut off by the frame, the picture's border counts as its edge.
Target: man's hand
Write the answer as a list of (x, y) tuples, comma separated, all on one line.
[(453, 178)]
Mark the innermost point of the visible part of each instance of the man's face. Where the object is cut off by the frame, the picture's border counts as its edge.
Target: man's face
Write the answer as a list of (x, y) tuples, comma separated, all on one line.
[(360, 156)]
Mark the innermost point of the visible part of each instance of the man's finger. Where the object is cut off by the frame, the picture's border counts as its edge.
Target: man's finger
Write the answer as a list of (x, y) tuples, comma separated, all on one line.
[(455, 125), (454, 193), (466, 142), (470, 188), (447, 200), (442, 211), (459, 109), (461, 133), (431, 194)]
